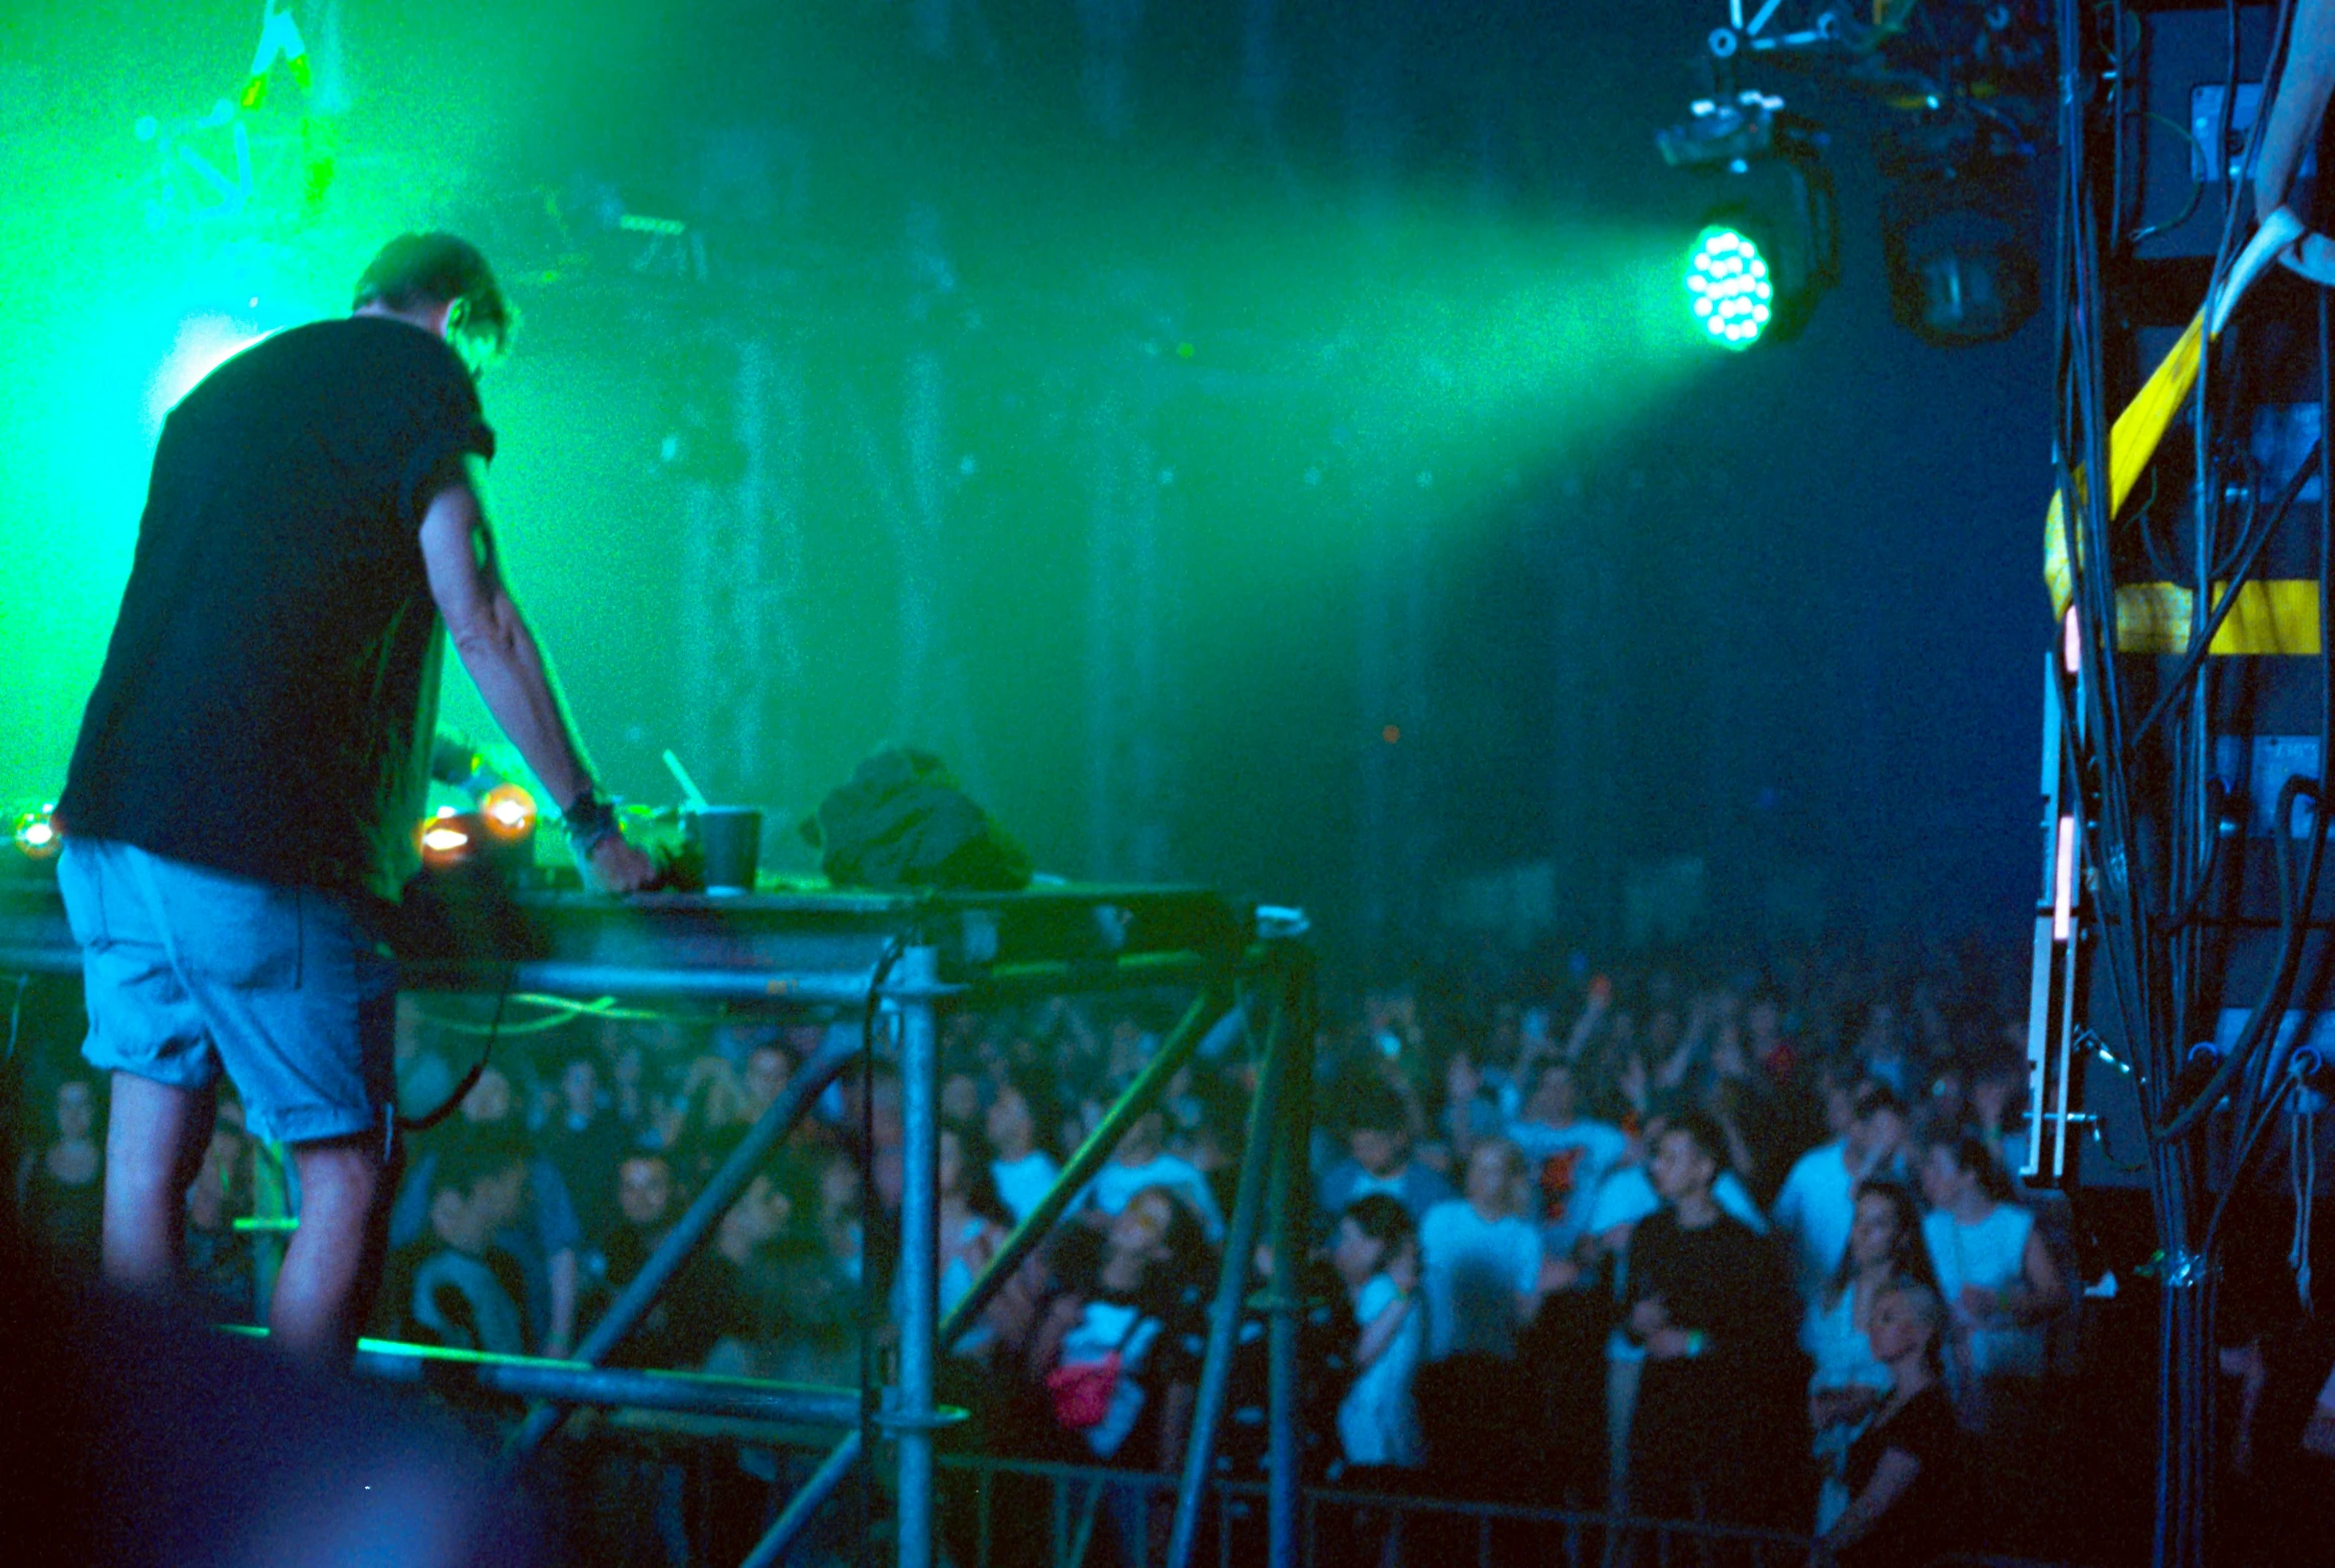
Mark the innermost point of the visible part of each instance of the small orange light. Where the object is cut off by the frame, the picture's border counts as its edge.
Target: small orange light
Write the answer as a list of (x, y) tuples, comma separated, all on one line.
[(37, 835), (1391, 734), (508, 811), (445, 838)]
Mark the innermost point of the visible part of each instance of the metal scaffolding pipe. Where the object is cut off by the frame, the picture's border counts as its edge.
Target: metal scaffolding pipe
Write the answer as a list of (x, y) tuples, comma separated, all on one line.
[(842, 988), (1141, 1095), (697, 1222), (1149, 1085), (919, 1255), (566, 1383), (1293, 1196), (1013, 982), (806, 1501), (1256, 1155)]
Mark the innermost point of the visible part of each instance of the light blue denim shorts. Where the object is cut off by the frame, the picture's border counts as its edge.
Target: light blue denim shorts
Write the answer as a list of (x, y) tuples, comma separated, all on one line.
[(191, 972)]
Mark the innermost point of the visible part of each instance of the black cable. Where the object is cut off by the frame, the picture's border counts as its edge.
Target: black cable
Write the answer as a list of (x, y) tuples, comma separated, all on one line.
[(2204, 882), (2107, 1154), (2293, 913), (2262, 1024), (2081, 445), (470, 1079), (2196, 186), (2245, 1151), (2202, 644)]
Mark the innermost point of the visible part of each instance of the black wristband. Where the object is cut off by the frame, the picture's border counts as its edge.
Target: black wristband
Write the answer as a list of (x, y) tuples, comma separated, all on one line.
[(588, 821)]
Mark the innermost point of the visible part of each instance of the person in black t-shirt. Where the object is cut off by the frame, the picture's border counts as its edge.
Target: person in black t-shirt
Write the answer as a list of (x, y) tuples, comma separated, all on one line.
[(241, 800), (453, 1285), (1904, 1472), (1716, 1411), (585, 1143)]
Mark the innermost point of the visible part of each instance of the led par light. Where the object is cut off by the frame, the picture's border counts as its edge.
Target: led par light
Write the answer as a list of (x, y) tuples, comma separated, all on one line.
[(1768, 247), (1729, 288)]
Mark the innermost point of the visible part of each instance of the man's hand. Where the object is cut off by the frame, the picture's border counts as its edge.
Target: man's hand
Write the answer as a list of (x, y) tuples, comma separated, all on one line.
[(619, 867), (1668, 1344), (1649, 1318)]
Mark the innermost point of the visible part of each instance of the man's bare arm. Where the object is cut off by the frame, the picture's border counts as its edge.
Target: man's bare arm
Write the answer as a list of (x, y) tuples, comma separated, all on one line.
[(503, 657)]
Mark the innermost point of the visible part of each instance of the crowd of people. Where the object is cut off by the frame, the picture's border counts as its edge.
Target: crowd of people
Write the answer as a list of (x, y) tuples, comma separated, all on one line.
[(1728, 1243)]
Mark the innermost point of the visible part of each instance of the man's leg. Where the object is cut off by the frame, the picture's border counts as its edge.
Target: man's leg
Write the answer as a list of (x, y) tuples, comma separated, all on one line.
[(333, 1265), (155, 1140)]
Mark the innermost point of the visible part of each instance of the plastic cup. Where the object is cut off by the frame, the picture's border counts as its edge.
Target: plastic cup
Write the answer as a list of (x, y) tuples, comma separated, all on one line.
[(730, 837)]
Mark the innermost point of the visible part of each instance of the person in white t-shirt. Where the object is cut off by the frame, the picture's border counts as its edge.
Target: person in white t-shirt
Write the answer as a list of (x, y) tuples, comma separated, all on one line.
[(1481, 1259), (1140, 1162), (1375, 1251), (1023, 1170), (1997, 1277), (1567, 1155), (1378, 1157), (1817, 1205), (2001, 1291)]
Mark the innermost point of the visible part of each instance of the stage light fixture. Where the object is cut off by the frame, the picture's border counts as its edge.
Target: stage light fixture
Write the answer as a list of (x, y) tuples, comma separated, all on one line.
[(1960, 228), (1728, 287), (1768, 247), (1959, 271)]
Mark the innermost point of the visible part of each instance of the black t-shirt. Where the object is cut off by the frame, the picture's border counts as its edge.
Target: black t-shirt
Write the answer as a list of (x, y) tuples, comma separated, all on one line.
[(1913, 1528), (1720, 1279), (1723, 1281), (268, 697)]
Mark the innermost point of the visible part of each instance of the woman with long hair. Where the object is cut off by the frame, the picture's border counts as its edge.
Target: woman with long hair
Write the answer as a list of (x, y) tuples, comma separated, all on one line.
[(60, 1186), (1850, 1383)]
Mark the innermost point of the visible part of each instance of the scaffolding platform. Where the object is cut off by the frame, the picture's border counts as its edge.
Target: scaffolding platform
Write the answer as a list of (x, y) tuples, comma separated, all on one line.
[(899, 960)]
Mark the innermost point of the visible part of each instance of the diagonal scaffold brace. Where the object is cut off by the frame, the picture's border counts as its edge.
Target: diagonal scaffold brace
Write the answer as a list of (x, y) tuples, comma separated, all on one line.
[(1212, 1019)]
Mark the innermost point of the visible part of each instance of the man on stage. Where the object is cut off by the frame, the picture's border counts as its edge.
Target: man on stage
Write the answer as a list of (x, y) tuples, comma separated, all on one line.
[(241, 805)]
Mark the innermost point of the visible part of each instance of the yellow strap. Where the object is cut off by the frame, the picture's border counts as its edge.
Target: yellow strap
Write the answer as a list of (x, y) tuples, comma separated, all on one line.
[(2132, 441), (2279, 617)]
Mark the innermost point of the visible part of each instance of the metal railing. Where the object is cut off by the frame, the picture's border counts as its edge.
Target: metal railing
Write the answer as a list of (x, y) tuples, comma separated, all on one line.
[(1337, 1527)]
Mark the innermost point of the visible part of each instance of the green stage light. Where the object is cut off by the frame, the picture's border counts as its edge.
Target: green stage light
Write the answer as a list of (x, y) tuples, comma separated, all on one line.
[(1729, 289)]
